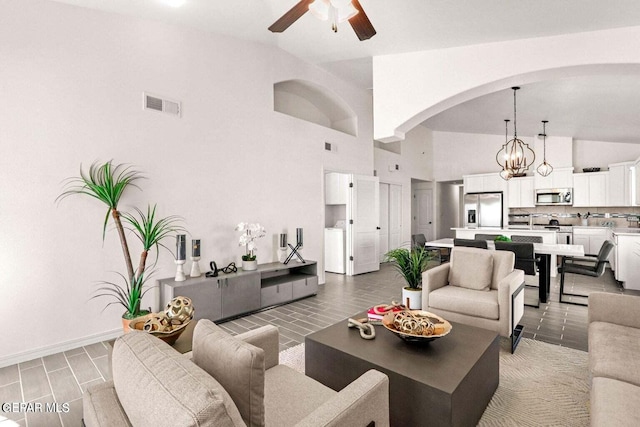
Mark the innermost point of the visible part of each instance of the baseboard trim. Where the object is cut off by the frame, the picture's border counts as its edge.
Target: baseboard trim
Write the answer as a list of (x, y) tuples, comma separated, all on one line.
[(57, 348)]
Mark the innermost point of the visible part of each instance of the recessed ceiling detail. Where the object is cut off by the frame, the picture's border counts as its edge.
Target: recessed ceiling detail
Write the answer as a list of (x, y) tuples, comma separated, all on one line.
[(314, 103)]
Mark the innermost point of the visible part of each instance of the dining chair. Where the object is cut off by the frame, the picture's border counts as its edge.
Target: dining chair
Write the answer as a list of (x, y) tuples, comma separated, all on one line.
[(418, 240), (470, 243), (486, 236), (525, 259), (589, 265)]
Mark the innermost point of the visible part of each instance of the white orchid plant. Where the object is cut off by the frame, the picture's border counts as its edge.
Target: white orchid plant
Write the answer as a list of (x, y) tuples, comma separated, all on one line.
[(251, 232)]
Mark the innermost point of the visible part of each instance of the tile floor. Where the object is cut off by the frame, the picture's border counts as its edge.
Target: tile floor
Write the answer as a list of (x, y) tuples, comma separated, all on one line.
[(62, 377)]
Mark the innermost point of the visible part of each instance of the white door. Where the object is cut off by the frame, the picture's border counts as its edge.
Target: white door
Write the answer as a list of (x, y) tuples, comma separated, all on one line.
[(423, 213), (383, 233), (395, 216), (362, 231)]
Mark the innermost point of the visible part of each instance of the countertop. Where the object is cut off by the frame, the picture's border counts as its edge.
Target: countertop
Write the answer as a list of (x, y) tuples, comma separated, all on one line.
[(506, 230), (627, 231)]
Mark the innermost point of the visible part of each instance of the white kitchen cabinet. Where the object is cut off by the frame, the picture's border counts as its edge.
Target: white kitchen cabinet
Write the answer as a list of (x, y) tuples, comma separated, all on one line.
[(520, 192), (628, 259), (591, 238), (559, 178), (336, 188), (620, 185), (590, 189), (486, 182), (636, 172)]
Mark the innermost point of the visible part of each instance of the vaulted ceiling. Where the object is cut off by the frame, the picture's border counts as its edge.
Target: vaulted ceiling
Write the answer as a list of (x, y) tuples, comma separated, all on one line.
[(602, 108)]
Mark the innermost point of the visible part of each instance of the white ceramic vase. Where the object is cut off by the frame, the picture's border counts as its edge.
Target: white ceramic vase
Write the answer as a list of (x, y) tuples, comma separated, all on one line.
[(249, 265), (414, 296)]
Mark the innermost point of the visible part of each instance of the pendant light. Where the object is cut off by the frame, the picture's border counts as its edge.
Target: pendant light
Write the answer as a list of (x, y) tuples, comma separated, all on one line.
[(505, 173), (545, 168), (515, 156)]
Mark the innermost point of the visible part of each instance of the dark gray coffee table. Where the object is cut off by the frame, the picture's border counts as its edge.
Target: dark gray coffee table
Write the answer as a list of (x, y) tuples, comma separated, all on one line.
[(447, 382)]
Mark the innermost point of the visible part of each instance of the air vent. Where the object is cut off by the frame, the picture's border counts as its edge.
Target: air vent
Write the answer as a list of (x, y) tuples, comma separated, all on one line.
[(156, 103), (330, 147)]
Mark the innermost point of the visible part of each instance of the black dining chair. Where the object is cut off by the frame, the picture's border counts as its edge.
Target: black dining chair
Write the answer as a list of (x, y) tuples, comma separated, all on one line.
[(486, 236), (418, 240), (526, 239), (470, 243), (589, 265), (525, 259)]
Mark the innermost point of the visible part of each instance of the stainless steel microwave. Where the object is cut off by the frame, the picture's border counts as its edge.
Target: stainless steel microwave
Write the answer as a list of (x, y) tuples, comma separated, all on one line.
[(554, 196)]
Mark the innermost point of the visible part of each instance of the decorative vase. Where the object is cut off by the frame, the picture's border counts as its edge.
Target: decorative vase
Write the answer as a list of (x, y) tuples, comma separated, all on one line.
[(412, 298), (142, 318), (249, 265)]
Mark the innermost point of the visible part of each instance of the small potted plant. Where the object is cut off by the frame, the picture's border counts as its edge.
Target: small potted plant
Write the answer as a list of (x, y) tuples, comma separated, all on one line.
[(250, 232), (410, 264)]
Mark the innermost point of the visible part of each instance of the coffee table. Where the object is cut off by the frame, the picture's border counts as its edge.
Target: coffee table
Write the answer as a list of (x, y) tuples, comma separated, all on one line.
[(447, 382)]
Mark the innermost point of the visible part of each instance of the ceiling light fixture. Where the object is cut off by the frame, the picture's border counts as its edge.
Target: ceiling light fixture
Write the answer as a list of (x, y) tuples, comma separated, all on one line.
[(506, 173), (515, 156), (545, 168), (335, 10)]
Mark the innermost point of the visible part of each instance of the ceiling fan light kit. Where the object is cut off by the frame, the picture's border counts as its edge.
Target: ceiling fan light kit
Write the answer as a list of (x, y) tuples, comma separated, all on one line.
[(515, 156), (336, 11)]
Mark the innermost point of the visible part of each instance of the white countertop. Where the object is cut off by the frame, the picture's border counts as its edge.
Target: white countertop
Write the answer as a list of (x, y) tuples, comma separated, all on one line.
[(627, 231), (505, 230)]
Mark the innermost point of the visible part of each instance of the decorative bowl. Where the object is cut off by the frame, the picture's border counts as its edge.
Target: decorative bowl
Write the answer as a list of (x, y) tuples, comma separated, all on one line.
[(440, 327), (170, 337)]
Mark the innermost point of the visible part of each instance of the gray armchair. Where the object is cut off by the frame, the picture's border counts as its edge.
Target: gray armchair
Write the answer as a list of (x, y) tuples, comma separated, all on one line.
[(477, 287), (231, 381)]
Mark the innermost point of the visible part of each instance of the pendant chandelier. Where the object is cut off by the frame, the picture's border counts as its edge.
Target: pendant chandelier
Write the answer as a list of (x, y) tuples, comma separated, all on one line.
[(506, 173), (515, 156), (545, 168)]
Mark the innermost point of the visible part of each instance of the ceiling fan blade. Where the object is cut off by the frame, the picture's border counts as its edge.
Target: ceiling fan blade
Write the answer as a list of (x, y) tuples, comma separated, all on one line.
[(290, 17), (361, 24)]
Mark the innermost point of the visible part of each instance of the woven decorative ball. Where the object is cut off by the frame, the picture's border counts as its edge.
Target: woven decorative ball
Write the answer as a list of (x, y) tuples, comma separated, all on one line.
[(179, 310), (158, 322)]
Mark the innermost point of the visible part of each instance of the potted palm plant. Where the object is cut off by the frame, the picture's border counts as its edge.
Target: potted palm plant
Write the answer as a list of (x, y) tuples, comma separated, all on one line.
[(410, 264), (107, 182)]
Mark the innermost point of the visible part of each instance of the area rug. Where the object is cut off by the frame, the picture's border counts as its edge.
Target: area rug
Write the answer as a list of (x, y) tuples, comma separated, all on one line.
[(540, 385)]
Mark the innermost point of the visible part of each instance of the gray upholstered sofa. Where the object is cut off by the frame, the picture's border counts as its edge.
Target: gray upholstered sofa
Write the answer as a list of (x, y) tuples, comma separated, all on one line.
[(229, 381), (477, 287), (614, 359)]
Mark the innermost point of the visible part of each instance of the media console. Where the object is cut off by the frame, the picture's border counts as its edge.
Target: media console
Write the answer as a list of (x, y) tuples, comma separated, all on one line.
[(243, 292)]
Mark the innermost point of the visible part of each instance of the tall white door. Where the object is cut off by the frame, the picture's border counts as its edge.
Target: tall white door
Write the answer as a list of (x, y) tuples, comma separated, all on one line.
[(383, 233), (423, 213), (395, 216), (363, 207)]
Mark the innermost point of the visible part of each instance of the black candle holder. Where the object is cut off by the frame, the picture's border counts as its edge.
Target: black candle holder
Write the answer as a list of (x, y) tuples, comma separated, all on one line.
[(294, 251)]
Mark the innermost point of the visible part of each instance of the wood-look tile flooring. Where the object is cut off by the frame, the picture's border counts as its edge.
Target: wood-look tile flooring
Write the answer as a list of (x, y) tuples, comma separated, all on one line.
[(63, 377)]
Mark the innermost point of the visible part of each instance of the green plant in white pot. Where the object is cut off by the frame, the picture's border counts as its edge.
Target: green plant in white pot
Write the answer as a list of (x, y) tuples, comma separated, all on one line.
[(107, 182), (410, 264), (250, 232)]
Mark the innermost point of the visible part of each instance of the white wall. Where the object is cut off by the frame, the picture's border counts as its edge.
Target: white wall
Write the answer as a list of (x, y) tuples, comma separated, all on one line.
[(587, 154), (415, 161), (71, 81)]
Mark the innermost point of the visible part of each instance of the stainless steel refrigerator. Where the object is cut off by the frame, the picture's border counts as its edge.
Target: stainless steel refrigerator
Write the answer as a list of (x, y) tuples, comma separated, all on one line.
[(483, 210)]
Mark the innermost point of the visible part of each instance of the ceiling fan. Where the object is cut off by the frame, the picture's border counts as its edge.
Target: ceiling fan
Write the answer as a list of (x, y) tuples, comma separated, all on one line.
[(334, 10)]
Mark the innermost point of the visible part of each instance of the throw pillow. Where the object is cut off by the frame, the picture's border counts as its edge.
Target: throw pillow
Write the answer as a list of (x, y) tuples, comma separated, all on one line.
[(471, 268), (237, 365)]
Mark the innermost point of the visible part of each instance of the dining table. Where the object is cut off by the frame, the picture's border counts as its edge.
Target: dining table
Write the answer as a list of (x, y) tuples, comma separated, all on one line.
[(544, 250)]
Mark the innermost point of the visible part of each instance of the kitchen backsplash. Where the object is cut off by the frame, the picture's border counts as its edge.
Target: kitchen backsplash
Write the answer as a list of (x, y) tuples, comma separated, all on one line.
[(569, 215)]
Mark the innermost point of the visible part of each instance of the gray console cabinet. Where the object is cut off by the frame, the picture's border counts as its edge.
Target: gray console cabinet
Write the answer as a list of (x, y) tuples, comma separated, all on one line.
[(231, 295)]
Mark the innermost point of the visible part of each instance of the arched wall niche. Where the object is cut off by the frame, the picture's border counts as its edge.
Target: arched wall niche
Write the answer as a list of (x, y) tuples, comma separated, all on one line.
[(517, 80), (314, 103)]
